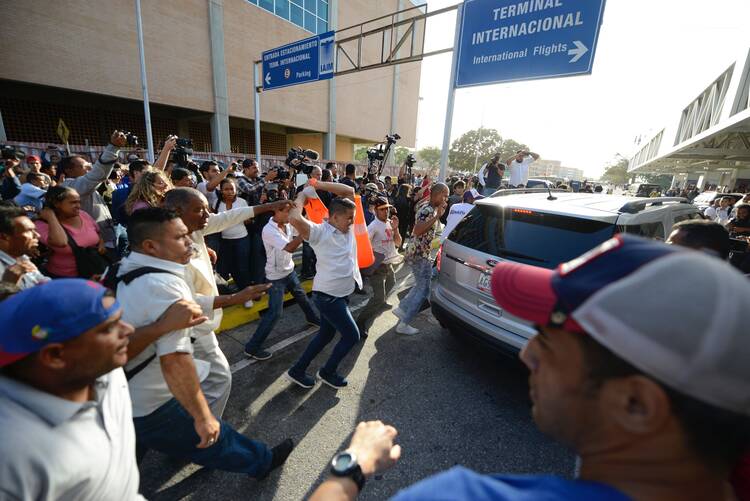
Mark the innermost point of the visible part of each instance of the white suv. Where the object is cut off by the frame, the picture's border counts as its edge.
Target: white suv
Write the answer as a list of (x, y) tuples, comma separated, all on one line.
[(537, 227)]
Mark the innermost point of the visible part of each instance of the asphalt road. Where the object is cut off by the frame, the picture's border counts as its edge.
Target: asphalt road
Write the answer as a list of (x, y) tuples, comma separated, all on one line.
[(452, 401)]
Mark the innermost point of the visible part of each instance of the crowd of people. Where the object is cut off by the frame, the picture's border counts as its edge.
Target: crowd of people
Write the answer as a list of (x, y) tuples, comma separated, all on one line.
[(113, 280)]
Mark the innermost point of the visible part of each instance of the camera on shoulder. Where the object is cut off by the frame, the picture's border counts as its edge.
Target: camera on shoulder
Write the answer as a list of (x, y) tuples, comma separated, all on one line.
[(299, 159)]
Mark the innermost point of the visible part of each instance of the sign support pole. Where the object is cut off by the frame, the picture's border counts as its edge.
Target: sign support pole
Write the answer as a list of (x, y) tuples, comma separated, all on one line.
[(451, 97), (144, 82), (256, 96)]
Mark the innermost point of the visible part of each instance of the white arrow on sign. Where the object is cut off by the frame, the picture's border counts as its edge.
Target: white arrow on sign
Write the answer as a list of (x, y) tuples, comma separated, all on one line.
[(268, 79), (578, 52)]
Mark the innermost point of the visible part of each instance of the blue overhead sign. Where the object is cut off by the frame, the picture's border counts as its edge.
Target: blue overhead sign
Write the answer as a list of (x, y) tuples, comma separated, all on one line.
[(299, 62), (509, 40)]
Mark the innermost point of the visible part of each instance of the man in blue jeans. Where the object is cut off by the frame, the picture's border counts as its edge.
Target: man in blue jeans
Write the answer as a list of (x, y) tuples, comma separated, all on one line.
[(337, 273), (170, 411), (418, 256), (280, 242)]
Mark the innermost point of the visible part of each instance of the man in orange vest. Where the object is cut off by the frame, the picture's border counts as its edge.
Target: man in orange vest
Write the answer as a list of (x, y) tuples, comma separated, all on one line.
[(337, 274)]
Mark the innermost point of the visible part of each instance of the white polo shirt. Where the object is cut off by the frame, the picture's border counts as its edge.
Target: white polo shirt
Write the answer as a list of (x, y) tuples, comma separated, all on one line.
[(59, 450), (143, 301), (336, 252), (279, 263), (519, 171)]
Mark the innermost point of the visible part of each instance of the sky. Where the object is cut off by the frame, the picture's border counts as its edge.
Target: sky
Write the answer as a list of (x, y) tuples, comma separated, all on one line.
[(653, 58)]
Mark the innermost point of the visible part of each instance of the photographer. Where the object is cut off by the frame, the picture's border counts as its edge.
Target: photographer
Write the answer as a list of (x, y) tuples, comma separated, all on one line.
[(250, 185), (519, 168), (491, 175), (212, 176)]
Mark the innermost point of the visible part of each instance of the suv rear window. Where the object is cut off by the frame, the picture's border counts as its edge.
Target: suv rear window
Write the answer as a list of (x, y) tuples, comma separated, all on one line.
[(529, 237)]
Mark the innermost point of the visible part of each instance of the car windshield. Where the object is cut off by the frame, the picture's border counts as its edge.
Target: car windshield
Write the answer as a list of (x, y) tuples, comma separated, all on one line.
[(529, 237)]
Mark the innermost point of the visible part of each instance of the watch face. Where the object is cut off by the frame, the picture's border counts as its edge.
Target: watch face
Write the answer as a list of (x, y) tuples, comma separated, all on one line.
[(343, 461)]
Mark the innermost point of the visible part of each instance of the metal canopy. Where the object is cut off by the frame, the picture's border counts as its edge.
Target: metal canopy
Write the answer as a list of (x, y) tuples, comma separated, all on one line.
[(712, 132)]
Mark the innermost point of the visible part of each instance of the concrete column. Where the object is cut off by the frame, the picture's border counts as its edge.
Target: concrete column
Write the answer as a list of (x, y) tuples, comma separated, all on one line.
[(329, 138), (394, 92), (220, 118)]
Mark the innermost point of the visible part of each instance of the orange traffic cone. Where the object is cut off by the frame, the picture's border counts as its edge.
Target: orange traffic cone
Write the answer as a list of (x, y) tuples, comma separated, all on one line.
[(365, 257), (316, 211)]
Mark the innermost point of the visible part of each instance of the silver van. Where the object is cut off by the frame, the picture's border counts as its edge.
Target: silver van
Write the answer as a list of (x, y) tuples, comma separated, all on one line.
[(538, 228)]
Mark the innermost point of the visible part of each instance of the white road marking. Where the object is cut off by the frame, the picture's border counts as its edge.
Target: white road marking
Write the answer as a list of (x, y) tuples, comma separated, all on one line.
[(302, 335)]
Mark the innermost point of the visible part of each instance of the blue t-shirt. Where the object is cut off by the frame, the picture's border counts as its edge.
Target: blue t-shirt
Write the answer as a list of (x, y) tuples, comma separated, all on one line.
[(459, 483)]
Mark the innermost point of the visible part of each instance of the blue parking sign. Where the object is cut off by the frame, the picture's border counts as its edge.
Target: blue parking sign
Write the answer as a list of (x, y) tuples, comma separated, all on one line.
[(299, 62)]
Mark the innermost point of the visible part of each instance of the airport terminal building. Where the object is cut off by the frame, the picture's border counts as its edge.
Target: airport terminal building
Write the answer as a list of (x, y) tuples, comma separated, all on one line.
[(79, 61)]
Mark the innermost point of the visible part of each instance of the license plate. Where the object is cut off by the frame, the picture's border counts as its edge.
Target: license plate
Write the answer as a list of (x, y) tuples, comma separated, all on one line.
[(483, 284)]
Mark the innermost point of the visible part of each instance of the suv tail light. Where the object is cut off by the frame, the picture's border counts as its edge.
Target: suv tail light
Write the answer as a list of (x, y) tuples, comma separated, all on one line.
[(439, 258)]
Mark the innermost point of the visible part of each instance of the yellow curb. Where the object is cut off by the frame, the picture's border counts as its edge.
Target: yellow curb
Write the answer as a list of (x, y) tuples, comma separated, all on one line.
[(234, 316)]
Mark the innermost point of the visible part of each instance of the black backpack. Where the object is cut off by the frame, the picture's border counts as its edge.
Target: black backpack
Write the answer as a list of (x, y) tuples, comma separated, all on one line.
[(111, 280)]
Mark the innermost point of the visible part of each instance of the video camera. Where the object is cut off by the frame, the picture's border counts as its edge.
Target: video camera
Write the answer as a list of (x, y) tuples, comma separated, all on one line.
[(182, 153), (378, 153), (9, 152), (282, 174), (298, 159), (130, 138)]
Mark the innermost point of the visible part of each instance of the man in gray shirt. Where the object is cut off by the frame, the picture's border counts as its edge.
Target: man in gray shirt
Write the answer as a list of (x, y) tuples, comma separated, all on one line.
[(66, 426), (85, 179)]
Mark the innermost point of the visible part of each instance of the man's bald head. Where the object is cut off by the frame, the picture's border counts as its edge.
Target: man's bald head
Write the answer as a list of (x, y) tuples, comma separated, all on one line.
[(179, 198), (439, 194), (190, 205)]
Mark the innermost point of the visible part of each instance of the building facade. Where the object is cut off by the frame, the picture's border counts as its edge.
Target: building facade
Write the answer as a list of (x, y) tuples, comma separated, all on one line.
[(78, 61)]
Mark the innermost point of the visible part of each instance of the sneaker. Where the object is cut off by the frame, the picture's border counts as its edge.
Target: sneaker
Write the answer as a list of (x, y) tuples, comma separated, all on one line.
[(302, 380), (404, 328), (362, 331), (249, 304), (398, 312), (332, 380), (259, 355), (279, 454)]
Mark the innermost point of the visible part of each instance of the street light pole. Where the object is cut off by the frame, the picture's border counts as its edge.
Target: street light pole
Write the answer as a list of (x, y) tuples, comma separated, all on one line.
[(144, 81)]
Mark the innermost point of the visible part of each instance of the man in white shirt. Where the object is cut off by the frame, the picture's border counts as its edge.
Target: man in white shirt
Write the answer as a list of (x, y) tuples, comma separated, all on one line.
[(193, 209), (385, 238), (724, 211), (458, 211), (519, 167), (170, 412), (280, 240), (337, 274)]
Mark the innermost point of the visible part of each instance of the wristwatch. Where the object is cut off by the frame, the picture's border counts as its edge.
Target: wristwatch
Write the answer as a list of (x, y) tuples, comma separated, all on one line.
[(344, 464)]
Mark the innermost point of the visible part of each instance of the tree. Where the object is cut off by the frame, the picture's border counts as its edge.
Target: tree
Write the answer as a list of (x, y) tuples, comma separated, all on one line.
[(360, 154), (663, 180), (476, 146), (429, 156), (399, 154), (617, 172)]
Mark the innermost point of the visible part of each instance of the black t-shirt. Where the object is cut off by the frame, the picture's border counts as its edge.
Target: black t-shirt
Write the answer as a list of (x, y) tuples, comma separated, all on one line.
[(494, 175)]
